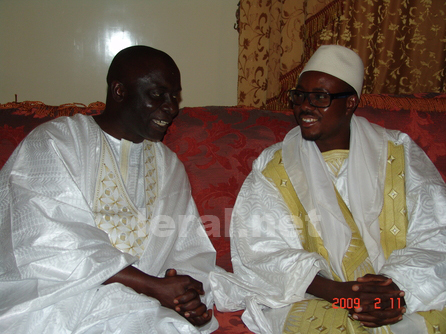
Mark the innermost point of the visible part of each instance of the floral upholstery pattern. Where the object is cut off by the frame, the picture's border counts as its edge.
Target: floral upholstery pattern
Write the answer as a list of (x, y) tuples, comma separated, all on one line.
[(218, 145), (401, 43)]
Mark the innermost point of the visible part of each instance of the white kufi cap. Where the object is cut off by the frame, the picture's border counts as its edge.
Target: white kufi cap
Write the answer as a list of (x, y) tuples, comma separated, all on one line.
[(339, 62)]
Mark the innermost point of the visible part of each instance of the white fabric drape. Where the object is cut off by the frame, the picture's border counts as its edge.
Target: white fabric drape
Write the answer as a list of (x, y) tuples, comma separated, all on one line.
[(271, 268), (53, 258)]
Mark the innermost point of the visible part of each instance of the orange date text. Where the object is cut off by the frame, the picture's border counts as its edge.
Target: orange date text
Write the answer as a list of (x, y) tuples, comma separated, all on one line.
[(394, 303), (346, 303)]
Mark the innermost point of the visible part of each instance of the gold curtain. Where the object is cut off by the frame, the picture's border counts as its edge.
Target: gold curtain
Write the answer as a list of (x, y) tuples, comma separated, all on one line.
[(401, 42)]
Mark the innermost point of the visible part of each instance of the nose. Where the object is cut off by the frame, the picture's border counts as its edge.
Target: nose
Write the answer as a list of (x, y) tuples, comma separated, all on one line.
[(170, 105)]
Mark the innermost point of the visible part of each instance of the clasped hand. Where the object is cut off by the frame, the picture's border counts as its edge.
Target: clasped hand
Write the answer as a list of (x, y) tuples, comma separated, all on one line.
[(177, 292), (381, 301), (182, 293)]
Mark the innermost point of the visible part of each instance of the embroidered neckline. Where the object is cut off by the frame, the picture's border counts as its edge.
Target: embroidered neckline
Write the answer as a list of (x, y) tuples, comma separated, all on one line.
[(335, 159)]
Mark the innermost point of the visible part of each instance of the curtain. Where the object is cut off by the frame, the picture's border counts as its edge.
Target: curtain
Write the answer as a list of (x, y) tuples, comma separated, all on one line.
[(401, 42)]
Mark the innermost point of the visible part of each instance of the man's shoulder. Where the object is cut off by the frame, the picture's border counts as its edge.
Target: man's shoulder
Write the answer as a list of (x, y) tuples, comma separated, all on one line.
[(66, 132), (398, 137), (395, 136), (265, 157), (166, 153), (76, 124), (168, 159)]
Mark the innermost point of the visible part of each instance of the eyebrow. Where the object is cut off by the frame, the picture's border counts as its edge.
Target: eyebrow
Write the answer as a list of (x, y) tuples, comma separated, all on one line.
[(315, 90)]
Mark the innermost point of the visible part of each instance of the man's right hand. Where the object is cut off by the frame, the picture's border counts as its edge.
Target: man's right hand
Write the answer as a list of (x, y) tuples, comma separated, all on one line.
[(177, 292), (189, 303), (388, 302), (368, 290)]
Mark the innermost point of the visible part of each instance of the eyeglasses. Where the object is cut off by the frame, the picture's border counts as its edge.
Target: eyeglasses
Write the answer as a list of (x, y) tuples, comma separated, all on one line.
[(316, 99)]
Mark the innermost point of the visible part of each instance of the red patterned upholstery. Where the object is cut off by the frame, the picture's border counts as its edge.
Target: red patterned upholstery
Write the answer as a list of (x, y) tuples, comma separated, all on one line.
[(218, 144)]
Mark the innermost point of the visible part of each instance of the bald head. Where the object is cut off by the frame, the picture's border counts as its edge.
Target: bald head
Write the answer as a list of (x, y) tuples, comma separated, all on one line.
[(134, 62), (144, 85)]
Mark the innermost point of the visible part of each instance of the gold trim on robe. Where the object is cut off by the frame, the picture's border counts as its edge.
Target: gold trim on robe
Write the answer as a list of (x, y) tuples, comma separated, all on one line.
[(335, 159), (316, 315), (115, 213)]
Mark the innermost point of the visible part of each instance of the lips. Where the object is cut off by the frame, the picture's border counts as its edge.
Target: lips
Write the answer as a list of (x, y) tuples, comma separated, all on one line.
[(307, 120), (160, 122)]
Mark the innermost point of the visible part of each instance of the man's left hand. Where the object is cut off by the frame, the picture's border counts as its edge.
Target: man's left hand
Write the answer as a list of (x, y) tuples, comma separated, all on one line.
[(190, 306), (389, 306)]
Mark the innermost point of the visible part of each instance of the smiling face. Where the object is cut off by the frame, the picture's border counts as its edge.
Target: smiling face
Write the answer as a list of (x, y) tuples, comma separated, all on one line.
[(151, 101), (328, 127), (143, 95)]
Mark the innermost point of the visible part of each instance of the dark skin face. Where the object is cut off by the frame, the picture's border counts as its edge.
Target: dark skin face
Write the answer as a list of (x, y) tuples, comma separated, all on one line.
[(328, 127), (144, 102)]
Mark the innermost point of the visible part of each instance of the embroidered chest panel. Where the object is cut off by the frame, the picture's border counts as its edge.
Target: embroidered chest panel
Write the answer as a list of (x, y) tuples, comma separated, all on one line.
[(115, 213)]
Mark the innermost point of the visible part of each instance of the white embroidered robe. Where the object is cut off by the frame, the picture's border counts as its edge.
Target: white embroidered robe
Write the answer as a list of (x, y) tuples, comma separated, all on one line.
[(53, 258), (272, 270)]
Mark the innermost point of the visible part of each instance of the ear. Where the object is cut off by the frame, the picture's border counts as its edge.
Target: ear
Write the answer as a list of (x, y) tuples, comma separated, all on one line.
[(118, 91), (351, 103)]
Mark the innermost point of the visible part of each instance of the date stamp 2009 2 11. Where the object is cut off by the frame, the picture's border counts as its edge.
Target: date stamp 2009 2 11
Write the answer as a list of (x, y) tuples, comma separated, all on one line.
[(348, 303)]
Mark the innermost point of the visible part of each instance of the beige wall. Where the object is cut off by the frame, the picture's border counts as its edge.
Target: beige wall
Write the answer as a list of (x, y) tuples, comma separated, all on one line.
[(58, 51)]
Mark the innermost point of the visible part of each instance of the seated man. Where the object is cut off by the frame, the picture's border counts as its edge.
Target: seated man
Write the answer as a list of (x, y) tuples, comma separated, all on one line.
[(99, 232), (340, 228)]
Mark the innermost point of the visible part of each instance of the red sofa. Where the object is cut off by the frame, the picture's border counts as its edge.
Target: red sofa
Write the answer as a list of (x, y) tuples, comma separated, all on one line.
[(218, 144)]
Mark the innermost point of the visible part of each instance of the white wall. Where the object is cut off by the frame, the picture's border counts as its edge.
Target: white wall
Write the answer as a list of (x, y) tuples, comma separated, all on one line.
[(58, 51)]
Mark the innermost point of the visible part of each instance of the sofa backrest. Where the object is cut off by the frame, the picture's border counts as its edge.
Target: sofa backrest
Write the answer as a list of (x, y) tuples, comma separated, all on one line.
[(218, 144)]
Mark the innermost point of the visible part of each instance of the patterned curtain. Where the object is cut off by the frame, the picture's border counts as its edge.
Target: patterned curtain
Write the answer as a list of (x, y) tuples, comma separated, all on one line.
[(401, 42)]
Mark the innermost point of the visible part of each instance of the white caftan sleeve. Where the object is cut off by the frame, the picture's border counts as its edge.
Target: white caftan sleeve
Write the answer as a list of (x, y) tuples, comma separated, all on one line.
[(177, 237), (53, 258), (420, 268), (268, 259), (51, 248)]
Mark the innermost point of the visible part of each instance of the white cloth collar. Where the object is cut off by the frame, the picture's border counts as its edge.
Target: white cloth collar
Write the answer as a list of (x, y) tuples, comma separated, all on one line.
[(310, 177)]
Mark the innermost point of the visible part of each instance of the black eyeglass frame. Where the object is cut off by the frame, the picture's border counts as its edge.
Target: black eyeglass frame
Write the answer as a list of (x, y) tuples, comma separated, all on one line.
[(332, 96)]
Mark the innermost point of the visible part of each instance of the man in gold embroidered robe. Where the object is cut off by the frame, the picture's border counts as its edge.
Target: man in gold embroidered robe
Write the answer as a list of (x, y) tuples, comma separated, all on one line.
[(340, 228), (99, 232)]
